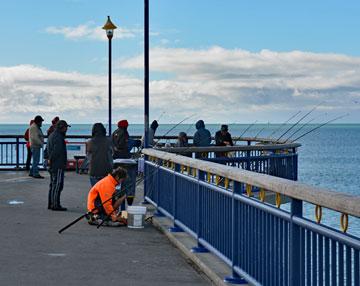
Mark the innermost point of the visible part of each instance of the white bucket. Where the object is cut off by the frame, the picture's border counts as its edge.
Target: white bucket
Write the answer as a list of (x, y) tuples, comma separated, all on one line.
[(136, 216)]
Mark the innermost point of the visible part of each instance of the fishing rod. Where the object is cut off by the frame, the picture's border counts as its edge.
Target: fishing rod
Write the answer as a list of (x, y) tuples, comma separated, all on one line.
[(86, 214), (171, 129), (321, 125), (161, 115), (291, 117), (301, 127), (250, 125), (261, 130), (291, 127)]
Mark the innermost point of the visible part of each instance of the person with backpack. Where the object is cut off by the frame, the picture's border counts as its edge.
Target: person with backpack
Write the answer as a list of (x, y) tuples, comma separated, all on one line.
[(29, 154)]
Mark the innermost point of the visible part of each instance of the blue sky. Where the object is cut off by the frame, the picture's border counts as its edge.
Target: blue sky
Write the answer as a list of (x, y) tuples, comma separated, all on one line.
[(221, 58)]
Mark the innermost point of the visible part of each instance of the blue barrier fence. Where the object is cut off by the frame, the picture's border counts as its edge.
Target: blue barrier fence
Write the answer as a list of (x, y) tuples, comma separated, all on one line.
[(261, 243)]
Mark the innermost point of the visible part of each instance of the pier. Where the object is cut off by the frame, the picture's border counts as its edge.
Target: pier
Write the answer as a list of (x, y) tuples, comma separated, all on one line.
[(33, 253), (238, 219)]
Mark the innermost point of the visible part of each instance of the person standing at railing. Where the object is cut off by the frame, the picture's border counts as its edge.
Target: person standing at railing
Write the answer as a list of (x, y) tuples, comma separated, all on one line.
[(120, 141), (29, 154), (57, 161), (154, 125), (202, 138), (99, 152), (36, 138), (53, 125), (223, 138)]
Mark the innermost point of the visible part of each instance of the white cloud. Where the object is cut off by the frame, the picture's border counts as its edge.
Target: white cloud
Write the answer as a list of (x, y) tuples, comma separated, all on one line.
[(91, 31), (217, 84), (261, 81)]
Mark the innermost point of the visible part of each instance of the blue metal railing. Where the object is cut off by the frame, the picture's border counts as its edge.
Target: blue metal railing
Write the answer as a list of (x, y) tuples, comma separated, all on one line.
[(262, 243)]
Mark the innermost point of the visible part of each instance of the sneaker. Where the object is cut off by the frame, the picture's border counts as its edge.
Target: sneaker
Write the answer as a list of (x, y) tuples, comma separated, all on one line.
[(38, 177), (59, 208), (112, 223)]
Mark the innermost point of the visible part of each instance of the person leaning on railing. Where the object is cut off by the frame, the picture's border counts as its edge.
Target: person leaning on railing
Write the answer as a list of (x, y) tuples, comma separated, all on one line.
[(223, 138), (202, 138)]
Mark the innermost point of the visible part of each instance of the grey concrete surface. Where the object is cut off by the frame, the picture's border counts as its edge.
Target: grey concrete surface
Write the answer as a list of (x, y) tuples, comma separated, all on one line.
[(33, 253)]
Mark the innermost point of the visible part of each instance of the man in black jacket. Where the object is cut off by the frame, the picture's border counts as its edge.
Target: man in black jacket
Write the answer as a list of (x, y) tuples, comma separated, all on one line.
[(57, 160), (223, 138)]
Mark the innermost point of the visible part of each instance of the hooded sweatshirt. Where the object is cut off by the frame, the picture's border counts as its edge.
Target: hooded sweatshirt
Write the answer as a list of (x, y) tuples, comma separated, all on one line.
[(202, 136), (56, 149), (99, 150)]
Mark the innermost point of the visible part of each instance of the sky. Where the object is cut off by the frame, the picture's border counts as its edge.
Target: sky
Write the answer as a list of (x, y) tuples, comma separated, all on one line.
[(223, 61)]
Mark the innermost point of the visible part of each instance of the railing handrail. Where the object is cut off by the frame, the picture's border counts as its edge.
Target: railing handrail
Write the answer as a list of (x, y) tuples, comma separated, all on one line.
[(230, 148), (158, 137), (341, 202)]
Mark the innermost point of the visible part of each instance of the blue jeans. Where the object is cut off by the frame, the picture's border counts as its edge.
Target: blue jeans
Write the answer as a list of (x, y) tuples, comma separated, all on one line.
[(34, 170)]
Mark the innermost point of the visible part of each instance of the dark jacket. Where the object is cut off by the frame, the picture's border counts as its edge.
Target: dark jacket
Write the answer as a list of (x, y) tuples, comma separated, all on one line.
[(120, 139), (56, 150), (220, 138), (202, 136), (99, 150)]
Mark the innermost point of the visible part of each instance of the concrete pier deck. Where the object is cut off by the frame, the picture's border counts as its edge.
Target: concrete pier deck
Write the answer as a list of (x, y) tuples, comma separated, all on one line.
[(33, 253)]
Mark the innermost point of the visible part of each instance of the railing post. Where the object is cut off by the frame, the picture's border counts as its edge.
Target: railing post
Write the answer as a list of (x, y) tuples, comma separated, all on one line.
[(157, 186), (17, 153), (146, 178), (175, 228), (295, 245), (235, 224), (199, 248)]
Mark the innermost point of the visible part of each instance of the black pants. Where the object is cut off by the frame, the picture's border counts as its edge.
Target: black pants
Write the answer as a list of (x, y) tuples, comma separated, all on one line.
[(55, 188), (28, 158)]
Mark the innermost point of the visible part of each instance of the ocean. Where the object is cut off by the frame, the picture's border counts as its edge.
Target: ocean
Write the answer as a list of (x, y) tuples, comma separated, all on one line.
[(329, 157)]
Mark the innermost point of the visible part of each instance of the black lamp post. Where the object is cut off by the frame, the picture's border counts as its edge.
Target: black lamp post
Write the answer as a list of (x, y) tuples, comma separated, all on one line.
[(109, 27)]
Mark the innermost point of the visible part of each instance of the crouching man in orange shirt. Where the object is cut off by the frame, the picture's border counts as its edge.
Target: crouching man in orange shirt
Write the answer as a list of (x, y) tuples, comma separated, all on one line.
[(104, 198)]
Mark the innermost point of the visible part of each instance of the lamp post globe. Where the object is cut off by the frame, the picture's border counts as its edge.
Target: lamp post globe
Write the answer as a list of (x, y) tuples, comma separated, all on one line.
[(109, 27)]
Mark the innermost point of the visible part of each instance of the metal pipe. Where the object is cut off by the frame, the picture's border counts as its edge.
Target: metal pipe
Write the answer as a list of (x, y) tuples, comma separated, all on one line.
[(146, 73)]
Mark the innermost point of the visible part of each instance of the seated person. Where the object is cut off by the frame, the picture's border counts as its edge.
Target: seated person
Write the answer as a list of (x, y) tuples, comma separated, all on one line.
[(106, 200)]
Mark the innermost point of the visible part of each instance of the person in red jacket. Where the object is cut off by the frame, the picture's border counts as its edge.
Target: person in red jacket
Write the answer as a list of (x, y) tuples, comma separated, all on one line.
[(29, 154), (104, 199)]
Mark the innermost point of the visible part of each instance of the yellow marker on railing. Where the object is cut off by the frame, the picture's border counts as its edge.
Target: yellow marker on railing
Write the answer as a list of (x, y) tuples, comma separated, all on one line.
[(217, 180), (181, 168), (318, 213), (278, 200), (194, 172), (226, 183), (249, 190), (208, 177), (262, 195), (188, 170), (344, 222), (172, 165)]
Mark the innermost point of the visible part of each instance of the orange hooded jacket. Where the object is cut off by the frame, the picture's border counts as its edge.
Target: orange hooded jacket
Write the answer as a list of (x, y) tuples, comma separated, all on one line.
[(105, 188)]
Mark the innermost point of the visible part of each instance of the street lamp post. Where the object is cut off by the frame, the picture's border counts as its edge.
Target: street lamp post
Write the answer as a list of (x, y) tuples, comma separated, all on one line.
[(109, 27)]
